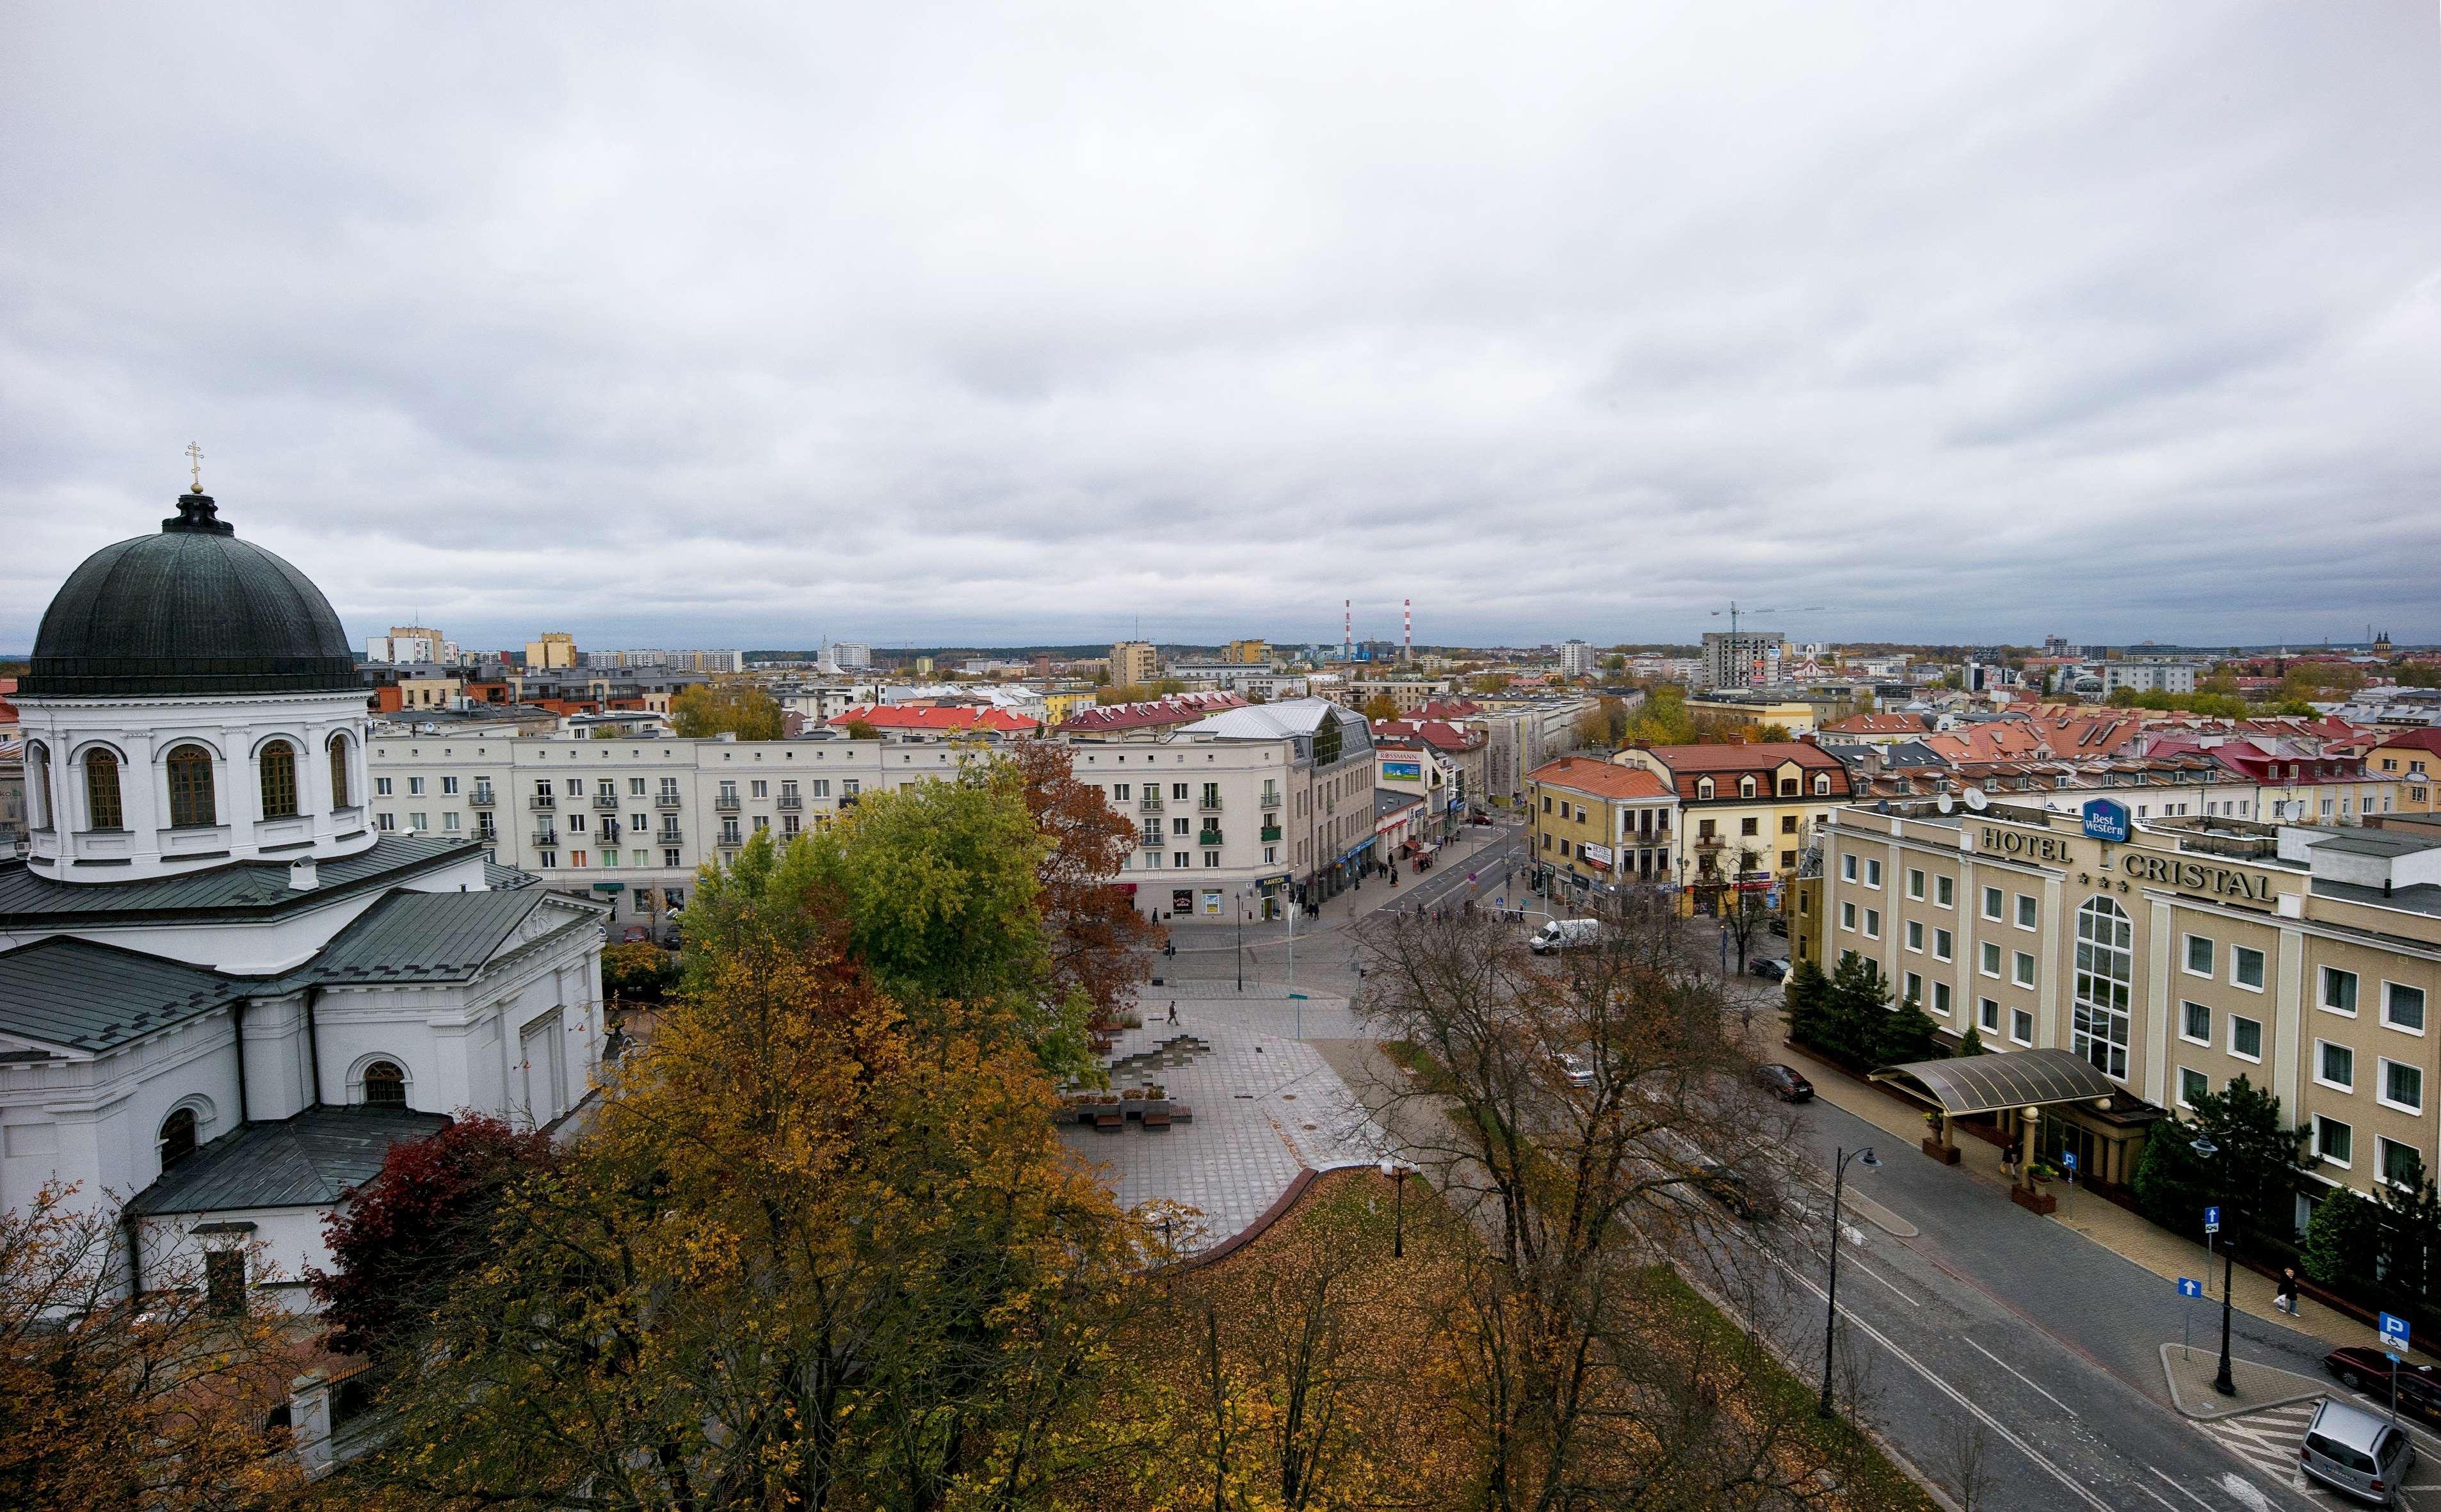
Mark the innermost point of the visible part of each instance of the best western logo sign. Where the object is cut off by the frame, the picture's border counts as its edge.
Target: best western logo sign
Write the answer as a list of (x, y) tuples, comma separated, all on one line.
[(2106, 820), (2195, 877)]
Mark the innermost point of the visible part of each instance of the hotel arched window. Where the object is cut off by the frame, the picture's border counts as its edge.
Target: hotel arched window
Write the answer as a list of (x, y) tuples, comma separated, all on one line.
[(178, 1137), (278, 765), (38, 785), (101, 807), (385, 1085), (339, 771), (2105, 974), (191, 788)]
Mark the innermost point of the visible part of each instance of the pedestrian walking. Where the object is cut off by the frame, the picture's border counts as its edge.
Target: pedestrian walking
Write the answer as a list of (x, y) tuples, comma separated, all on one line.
[(2286, 1298), (1174, 1010)]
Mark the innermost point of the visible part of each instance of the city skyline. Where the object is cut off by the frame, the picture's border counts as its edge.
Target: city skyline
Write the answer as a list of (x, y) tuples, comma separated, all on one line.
[(1965, 325)]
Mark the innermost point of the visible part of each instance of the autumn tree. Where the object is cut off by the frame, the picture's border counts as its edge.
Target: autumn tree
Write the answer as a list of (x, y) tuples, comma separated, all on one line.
[(738, 709), (159, 1402), (861, 730), (1379, 707), (1100, 947)]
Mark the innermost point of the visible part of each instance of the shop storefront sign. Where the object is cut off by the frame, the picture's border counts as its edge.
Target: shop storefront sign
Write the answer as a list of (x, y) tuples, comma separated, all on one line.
[(1402, 771), (1598, 854)]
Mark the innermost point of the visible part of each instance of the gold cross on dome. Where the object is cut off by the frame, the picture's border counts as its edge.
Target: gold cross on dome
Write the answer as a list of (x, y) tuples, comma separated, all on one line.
[(195, 459)]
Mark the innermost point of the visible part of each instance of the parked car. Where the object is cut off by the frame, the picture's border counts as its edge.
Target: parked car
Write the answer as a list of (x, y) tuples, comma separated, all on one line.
[(1577, 1072), (1780, 928), (1728, 1188), (1565, 934), (2352, 1450), (1770, 968), (2363, 1368), (1785, 1082)]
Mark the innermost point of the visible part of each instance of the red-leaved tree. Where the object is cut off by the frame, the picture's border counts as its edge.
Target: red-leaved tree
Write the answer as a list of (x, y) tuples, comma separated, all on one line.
[(405, 1237), (1100, 945)]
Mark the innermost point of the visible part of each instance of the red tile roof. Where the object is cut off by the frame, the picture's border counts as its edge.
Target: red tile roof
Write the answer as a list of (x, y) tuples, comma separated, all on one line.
[(1878, 725), (1179, 709), (1438, 733), (1757, 756), (1599, 779), (943, 718)]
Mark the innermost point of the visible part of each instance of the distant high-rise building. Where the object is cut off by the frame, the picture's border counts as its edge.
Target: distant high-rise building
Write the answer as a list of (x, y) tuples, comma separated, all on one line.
[(846, 654), (1575, 659), (409, 644), (1249, 652), (555, 651), (1743, 659), (1134, 663)]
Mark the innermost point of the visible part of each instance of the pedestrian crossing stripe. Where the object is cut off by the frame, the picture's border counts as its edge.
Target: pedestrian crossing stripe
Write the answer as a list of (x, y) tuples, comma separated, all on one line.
[(2267, 1442)]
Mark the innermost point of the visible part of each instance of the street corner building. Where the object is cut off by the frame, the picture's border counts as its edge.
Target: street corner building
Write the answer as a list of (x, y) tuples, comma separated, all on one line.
[(2166, 957), (224, 993)]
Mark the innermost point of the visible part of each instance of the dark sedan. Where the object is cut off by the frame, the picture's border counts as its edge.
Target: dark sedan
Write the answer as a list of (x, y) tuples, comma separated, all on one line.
[(2363, 1368), (1770, 968), (1785, 1082)]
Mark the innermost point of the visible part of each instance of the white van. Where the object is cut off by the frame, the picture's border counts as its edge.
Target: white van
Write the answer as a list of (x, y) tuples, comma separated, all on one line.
[(1565, 934)]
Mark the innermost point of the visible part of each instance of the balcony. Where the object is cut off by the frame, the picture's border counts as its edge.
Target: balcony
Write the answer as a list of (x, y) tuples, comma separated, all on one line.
[(731, 840), (1270, 834), (1151, 842), (1208, 838), (542, 801), (1271, 800), (1210, 804), (487, 835), (609, 801), (546, 839), (665, 801), (729, 802), (483, 799), (667, 836), (1710, 842), (791, 801), (1152, 804)]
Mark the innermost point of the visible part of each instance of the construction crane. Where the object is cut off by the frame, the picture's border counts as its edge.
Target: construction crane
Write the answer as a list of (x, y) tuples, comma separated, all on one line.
[(1753, 668)]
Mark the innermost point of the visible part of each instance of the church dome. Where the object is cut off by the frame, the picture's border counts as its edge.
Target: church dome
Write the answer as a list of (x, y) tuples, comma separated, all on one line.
[(190, 610)]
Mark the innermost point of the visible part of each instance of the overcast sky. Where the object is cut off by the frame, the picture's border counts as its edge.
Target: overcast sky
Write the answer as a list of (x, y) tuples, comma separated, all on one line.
[(688, 325)]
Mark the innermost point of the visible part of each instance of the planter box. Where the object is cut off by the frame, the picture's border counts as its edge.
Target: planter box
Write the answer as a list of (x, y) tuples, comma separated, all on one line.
[(2042, 1202), (1946, 1153)]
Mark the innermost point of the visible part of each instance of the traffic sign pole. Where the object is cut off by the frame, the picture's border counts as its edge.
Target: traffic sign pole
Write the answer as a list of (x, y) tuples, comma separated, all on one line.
[(2393, 1343)]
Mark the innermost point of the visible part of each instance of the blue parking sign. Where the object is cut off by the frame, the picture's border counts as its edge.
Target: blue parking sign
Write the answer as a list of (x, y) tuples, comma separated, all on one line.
[(2212, 1219), (2188, 1287), (2393, 1334), (2068, 1160)]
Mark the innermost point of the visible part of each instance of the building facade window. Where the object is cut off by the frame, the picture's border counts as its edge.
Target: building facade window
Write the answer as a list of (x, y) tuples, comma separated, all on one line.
[(2334, 1141), (2340, 991), (2195, 1022), (2402, 1007), (339, 797), (192, 805), (178, 1137), (2334, 1066), (2402, 1086), (2246, 967), (2106, 973), (2192, 1085), (102, 806), (2021, 1026), (2245, 1038), (385, 1085), (2199, 955), (278, 763)]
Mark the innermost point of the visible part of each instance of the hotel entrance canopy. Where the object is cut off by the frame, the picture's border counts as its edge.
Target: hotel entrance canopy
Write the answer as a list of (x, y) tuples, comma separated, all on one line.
[(1991, 1083)]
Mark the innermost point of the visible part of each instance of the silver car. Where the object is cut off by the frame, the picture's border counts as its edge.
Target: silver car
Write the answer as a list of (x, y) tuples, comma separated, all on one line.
[(2352, 1450)]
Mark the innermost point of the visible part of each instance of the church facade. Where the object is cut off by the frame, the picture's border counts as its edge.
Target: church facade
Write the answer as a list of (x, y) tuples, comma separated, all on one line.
[(224, 993)]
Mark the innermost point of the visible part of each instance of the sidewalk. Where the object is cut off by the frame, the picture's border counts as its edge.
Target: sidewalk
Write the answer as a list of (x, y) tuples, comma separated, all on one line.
[(2191, 1370), (2098, 1218)]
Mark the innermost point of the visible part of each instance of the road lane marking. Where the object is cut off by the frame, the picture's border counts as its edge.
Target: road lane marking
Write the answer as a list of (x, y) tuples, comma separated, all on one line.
[(2020, 1375), (2007, 1434), (1859, 1264), (2181, 1489), (2159, 1496)]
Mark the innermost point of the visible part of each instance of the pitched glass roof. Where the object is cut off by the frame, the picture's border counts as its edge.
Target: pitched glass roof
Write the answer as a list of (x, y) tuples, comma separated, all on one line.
[(1986, 1083)]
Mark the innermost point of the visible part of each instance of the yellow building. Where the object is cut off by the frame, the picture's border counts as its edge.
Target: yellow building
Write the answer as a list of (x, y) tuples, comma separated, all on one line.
[(2413, 761), (1596, 828), (1056, 707), (555, 650), (1747, 813), (1134, 663), (1249, 652)]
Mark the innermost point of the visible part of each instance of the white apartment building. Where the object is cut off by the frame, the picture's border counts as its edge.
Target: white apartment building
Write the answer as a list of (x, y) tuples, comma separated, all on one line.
[(1575, 659), (846, 654), (1242, 678), (2149, 676), (1744, 659)]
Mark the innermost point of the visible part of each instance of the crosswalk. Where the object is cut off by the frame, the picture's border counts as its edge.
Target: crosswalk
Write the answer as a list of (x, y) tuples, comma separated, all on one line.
[(2267, 1440)]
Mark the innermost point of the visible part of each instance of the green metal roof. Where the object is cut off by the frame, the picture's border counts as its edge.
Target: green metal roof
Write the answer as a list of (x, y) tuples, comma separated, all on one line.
[(422, 937), (308, 1160), (81, 996), (241, 889)]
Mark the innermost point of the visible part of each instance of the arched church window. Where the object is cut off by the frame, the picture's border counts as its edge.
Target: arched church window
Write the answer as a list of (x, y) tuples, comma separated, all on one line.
[(385, 1085), (279, 764), (38, 785), (191, 788), (101, 810), (178, 1137), (339, 771)]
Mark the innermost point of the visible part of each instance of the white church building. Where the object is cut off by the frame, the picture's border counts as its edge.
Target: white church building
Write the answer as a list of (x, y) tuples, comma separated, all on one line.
[(224, 995)]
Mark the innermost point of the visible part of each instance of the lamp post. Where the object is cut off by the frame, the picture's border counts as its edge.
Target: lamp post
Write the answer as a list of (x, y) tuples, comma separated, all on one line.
[(1241, 942), (1396, 1171), (1830, 1317), (2223, 1383)]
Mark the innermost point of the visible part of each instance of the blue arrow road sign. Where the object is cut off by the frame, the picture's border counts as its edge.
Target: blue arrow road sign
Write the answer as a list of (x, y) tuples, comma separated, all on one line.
[(2212, 1219), (2190, 1287), (2394, 1333)]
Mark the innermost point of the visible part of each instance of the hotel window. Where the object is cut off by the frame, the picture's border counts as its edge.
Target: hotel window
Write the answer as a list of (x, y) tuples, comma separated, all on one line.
[(1873, 874), (2021, 969), (1992, 902), (1945, 891), (1872, 924), (2192, 1085), (1990, 1010), (2402, 1007), (1914, 989), (1915, 882), (2025, 911), (2021, 1026), (2402, 1086), (2340, 991), (1991, 959), (2199, 955), (1915, 935), (2246, 967), (1848, 868), (2195, 1022), (1941, 946), (2400, 1164), (2105, 972), (1941, 999), (2334, 1066), (2333, 1141), (2245, 1038), (1847, 916)]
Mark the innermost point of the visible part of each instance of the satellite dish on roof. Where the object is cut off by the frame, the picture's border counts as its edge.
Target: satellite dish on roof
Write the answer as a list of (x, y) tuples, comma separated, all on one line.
[(1975, 799), (1942, 802)]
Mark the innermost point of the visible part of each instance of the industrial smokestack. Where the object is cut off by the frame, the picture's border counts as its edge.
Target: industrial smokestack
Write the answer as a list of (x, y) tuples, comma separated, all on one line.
[(1407, 616)]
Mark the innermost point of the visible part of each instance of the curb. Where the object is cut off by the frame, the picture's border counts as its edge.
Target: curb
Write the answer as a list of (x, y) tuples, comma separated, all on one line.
[(1874, 1213), (2202, 1415)]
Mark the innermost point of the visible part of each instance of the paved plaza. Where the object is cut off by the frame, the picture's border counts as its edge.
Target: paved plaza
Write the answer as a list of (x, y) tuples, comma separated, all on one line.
[(1266, 1104)]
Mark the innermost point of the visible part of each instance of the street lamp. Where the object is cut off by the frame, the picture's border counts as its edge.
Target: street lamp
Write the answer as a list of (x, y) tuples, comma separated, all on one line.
[(1396, 1171), (1831, 1318), (1241, 942), (2224, 1383)]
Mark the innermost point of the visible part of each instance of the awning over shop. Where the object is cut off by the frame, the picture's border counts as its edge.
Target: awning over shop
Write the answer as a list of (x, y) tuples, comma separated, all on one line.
[(1989, 1083)]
